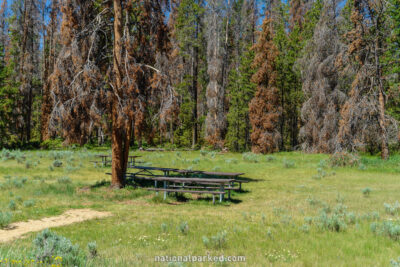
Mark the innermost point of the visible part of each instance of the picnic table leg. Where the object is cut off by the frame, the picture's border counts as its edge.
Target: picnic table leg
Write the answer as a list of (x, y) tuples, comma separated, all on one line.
[(155, 185), (165, 192), (221, 197), (213, 199)]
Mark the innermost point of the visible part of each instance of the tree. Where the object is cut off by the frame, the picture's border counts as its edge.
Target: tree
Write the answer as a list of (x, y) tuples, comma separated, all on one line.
[(241, 90), (264, 110), (363, 119), (189, 33), (89, 88), (322, 89), (215, 121), (51, 42)]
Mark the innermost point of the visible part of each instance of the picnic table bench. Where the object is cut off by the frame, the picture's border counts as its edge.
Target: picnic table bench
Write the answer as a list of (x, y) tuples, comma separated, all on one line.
[(224, 184)]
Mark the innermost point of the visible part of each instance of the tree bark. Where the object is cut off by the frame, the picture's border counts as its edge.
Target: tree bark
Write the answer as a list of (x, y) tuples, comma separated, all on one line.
[(119, 137)]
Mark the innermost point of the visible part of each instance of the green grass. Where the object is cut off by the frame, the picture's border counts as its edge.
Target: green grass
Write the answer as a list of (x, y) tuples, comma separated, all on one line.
[(277, 219)]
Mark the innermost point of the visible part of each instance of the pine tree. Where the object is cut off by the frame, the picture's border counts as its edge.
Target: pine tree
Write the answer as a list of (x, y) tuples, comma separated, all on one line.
[(241, 90), (189, 34), (264, 109)]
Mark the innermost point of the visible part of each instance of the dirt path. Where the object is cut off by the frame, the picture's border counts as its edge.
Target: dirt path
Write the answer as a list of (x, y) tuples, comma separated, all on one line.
[(18, 229)]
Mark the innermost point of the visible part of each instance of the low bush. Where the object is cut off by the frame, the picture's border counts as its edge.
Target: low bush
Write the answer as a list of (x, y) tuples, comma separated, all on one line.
[(392, 209), (5, 219), (184, 228), (51, 248), (288, 163), (250, 157), (57, 163), (218, 241), (343, 159), (387, 228), (29, 203), (64, 180), (366, 191), (92, 248)]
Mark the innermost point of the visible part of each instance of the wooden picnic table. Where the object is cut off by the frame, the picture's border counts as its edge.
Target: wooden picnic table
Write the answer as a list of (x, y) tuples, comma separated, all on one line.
[(148, 170), (105, 161), (166, 188)]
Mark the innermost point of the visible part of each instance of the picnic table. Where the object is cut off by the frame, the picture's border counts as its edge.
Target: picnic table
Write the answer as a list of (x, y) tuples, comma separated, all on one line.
[(222, 185), (106, 159), (148, 170), (230, 175)]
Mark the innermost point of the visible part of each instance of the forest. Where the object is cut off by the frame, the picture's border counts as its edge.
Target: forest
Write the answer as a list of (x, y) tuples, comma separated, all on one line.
[(238, 75), (238, 132)]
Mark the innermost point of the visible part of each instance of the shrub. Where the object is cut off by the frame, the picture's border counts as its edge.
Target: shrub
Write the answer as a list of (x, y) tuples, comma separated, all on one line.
[(184, 228), (392, 209), (51, 144), (164, 227), (218, 241), (203, 153), (12, 205), (395, 263), (57, 163), (366, 191), (386, 228), (5, 219), (343, 159), (64, 180), (92, 248), (304, 228), (50, 248), (250, 157), (196, 161), (29, 203), (270, 158), (288, 163)]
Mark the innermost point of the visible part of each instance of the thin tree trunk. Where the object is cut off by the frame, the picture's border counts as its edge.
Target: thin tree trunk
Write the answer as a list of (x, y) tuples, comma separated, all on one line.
[(119, 137)]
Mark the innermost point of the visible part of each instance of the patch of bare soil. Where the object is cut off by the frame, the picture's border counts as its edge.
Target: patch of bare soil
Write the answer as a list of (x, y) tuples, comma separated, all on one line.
[(17, 230)]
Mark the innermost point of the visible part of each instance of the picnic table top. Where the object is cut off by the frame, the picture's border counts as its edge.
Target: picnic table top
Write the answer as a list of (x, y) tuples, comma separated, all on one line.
[(186, 180), (231, 174), (105, 156), (152, 168)]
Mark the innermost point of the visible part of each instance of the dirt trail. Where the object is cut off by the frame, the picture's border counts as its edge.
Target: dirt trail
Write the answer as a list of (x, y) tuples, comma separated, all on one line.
[(18, 229)]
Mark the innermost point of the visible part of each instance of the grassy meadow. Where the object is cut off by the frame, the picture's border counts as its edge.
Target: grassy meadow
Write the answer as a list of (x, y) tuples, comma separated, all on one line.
[(297, 210)]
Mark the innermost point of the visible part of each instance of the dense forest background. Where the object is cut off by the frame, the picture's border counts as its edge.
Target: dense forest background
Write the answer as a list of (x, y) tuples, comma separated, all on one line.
[(319, 76)]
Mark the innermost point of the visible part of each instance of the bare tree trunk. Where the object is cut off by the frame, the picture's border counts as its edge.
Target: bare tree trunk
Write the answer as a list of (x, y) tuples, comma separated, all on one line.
[(194, 90), (385, 149), (119, 137)]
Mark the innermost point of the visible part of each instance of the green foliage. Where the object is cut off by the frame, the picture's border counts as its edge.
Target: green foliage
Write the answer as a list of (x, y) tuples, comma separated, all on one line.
[(241, 90), (288, 163), (12, 205), (386, 228), (57, 163), (64, 180), (52, 144), (184, 228), (218, 241), (92, 248), (5, 219), (48, 246), (29, 203), (250, 157), (366, 191), (392, 209)]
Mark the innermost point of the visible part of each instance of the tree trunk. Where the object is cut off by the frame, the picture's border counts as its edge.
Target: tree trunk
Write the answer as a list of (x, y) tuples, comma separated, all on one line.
[(194, 88), (119, 137), (385, 149)]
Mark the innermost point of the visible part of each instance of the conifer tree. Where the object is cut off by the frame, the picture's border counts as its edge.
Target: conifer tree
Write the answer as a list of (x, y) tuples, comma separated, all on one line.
[(264, 109)]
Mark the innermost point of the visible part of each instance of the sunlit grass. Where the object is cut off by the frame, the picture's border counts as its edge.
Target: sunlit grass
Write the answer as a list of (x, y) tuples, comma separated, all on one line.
[(269, 222)]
